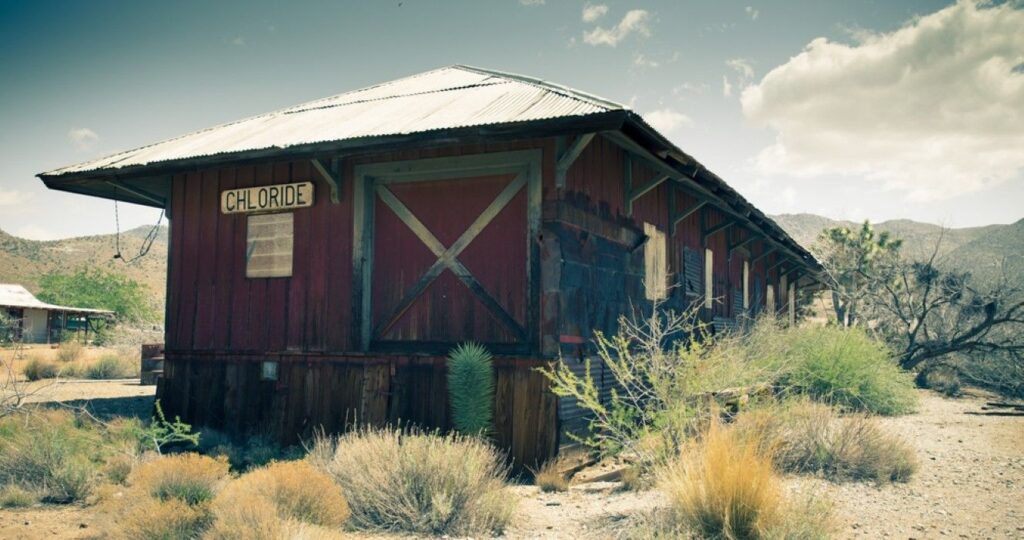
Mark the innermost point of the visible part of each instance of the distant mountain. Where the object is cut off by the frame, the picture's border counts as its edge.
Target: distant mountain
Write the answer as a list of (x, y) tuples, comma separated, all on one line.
[(25, 261), (981, 250)]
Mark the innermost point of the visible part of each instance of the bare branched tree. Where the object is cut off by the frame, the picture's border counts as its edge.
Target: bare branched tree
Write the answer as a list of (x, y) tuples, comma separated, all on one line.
[(15, 392), (931, 316)]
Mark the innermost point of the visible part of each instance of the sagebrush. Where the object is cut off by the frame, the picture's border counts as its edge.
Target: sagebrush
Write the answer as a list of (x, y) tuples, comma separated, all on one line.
[(419, 483)]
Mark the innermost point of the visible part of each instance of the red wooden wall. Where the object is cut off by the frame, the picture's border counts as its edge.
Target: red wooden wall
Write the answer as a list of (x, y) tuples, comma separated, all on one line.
[(212, 306)]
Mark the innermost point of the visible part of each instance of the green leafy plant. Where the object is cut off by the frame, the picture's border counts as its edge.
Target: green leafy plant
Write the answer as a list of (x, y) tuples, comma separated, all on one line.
[(161, 433), (98, 289), (471, 388)]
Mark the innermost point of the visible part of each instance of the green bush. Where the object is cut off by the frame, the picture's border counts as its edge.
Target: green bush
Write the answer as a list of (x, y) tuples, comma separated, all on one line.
[(37, 369), (15, 496), (942, 379), (807, 437), (50, 453), (112, 366), (845, 368), (418, 483), (471, 388), (69, 351), (190, 478)]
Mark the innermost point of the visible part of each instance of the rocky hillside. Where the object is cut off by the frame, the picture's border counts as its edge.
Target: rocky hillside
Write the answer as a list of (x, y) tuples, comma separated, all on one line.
[(984, 251), (25, 261)]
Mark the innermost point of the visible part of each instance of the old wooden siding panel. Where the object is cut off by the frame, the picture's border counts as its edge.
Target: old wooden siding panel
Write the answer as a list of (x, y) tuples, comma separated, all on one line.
[(335, 394)]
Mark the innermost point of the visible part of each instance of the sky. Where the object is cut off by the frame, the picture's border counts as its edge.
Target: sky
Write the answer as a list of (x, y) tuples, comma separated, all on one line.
[(878, 110)]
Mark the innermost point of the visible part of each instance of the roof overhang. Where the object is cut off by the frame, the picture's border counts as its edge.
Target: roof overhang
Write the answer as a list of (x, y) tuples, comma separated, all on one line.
[(150, 184)]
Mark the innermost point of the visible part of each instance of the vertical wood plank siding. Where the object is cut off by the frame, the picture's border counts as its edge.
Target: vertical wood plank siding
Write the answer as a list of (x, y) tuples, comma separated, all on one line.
[(335, 393), (221, 325)]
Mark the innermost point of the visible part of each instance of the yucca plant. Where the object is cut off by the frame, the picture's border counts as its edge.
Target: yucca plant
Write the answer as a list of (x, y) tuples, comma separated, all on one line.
[(471, 388)]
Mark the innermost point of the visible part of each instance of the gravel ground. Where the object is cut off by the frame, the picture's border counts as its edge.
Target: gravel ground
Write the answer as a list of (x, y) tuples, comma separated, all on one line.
[(970, 485)]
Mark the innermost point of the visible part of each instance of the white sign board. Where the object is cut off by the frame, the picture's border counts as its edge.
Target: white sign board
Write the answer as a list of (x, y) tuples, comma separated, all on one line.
[(267, 198)]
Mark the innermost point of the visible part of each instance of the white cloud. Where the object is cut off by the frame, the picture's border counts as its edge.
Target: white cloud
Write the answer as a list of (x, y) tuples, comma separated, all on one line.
[(726, 86), (752, 13), (667, 120), (642, 61), (593, 12), (238, 41), (83, 138), (935, 108), (742, 66), (34, 232), (531, 2), (634, 22), (14, 197)]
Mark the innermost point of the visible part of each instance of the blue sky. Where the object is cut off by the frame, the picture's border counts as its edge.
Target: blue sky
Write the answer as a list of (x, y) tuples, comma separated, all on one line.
[(875, 109)]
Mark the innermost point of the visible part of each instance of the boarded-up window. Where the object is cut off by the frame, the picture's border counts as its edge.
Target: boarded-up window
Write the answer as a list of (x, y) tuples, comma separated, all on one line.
[(746, 285), (709, 276), (269, 246), (692, 272), (791, 296), (655, 263), (769, 299)]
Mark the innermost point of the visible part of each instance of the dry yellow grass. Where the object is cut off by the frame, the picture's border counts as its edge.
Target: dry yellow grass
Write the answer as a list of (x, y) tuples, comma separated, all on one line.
[(191, 478), (724, 487), (550, 478), (146, 518)]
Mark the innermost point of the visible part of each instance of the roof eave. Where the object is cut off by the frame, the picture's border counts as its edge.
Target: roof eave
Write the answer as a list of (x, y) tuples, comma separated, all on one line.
[(100, 182)]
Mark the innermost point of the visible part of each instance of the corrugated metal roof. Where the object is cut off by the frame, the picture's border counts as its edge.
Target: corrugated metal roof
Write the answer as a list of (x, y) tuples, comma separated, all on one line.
[(16, 296), (446, 98)]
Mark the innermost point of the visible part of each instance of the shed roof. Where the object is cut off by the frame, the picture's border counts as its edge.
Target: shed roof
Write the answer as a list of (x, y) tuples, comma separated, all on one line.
[(16, 296), (451, 103), (446, 98)]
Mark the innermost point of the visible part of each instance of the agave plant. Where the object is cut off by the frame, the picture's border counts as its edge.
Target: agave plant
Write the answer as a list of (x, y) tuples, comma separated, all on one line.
[(471, 388)]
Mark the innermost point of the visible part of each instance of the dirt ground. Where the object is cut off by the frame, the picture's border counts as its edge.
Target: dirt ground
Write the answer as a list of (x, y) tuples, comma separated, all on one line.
[(970, 485)]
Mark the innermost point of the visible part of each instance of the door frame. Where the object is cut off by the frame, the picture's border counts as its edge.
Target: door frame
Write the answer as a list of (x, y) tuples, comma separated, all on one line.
[(525, 164)]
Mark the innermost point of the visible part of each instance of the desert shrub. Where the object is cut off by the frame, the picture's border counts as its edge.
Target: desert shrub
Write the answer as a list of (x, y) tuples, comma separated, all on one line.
[(418, 482), (724, 487), (37, 369), (634, 479), (69, 351), (188, 477), (941, 379), (118, 467), (807, 437), (112, 366), (846, 368), (50, 453), (15, 496), (471, 388), (146, 518), (262, 503), (550, 478)]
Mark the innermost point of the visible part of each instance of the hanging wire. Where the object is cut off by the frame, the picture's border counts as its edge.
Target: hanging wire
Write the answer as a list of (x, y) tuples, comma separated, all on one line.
[(147, 242)]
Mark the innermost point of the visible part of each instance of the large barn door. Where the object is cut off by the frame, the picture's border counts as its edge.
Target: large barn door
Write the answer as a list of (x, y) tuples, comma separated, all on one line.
[(444, 252)]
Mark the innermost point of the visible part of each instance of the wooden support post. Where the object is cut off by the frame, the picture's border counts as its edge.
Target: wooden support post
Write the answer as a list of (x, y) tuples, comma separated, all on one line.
[(627, 182), (332, 177), (741, 243), (763, 254), (775, 265), (567, 158), (720, 227), (640, 191)]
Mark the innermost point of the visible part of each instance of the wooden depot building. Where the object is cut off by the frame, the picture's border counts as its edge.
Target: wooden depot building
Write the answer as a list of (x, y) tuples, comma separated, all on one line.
[(325, 258)]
